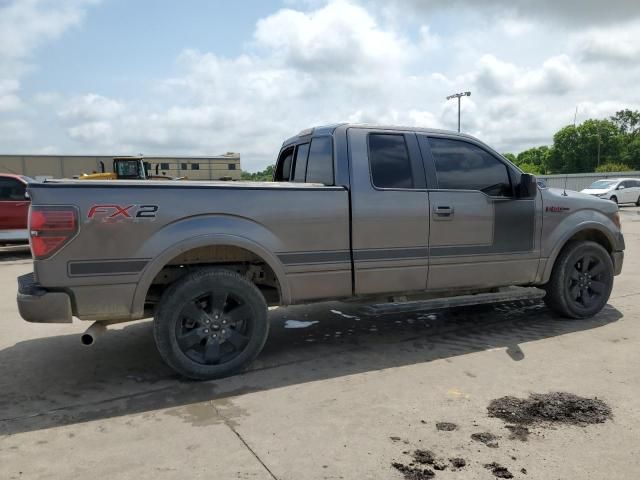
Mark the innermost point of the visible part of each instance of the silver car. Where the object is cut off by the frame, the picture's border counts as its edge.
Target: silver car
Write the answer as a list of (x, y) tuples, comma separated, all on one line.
[(618, 190)]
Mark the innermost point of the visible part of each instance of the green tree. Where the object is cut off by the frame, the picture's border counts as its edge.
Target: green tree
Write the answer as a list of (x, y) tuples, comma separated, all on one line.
[(627, 121), (582, 148), (265, 175), (530, 168), (631, 154), (537, 157), (510, 156)]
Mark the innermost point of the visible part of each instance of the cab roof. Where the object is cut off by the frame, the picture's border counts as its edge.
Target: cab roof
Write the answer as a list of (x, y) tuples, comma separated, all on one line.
[(330, 129)]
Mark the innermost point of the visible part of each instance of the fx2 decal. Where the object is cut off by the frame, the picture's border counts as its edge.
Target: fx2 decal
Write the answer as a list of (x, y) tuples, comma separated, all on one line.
[(556, 209), (118, 213)]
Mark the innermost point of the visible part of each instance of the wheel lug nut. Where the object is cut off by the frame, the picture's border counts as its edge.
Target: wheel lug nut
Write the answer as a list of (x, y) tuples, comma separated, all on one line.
[(206, 330)]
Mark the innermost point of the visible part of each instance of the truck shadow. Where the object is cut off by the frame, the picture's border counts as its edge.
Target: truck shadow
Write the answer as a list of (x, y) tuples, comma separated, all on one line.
[(54, 381)]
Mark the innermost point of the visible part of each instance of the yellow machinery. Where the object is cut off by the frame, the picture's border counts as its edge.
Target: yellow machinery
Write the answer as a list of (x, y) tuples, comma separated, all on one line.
[(124, 168)]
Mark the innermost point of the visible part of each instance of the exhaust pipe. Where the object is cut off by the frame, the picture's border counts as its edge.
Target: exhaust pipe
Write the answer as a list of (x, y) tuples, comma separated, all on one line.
[(92, 333)]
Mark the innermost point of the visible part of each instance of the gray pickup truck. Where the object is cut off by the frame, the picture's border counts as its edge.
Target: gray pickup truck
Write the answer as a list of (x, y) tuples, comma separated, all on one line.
[(355, 212)]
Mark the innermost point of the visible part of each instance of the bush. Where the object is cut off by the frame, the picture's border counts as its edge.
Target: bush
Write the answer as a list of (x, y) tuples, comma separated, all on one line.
[(613, 167)]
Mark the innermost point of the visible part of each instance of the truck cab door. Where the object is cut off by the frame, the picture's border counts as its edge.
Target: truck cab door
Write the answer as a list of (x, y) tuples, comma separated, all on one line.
[(480, 234), (390, 220)]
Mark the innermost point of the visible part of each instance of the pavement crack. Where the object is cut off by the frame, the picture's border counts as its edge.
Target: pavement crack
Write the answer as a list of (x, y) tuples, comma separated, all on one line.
[(232, 428)]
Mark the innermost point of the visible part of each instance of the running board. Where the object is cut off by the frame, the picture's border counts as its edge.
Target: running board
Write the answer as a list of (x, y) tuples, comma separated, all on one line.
[(509, 294)]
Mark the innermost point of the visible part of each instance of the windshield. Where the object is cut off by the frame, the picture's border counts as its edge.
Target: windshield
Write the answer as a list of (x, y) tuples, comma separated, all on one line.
[(600, 184)]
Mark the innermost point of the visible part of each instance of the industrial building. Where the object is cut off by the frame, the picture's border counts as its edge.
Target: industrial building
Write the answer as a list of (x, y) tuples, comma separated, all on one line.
[(217, 167)]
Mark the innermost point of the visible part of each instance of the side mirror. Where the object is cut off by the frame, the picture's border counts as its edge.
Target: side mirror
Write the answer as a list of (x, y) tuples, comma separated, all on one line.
[(528, 187), (27, 196), (620, 187)]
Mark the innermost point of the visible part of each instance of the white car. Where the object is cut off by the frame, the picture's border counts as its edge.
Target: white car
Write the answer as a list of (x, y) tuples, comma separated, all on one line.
[(619, 190)]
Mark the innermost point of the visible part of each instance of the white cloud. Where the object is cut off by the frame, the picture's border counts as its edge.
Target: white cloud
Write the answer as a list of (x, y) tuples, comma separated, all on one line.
[(610, 44), (91, 107), (9, 99), (27, 24), (565, 12), (557, 76)]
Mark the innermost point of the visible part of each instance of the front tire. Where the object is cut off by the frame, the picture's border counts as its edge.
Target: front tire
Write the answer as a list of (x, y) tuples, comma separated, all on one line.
[(581, 280), (211, 324), (614, 199)]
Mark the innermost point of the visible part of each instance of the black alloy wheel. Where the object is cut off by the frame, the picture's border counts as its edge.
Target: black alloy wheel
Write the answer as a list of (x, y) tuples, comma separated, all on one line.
[(210, 324)]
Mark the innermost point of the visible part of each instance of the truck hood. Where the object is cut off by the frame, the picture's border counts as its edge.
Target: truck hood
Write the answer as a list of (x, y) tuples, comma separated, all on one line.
[(552, 197)]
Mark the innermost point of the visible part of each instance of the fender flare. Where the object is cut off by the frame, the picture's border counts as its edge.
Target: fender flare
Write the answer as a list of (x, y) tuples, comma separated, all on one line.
[(582, 226), (207, 240)]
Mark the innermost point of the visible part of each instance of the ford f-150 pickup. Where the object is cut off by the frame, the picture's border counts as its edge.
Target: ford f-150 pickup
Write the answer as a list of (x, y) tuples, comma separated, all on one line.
[(355, 212)]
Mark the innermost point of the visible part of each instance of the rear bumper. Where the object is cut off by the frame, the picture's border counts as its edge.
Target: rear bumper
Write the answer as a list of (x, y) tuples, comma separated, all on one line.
[(39, 305), (618, 259), (14, 235)]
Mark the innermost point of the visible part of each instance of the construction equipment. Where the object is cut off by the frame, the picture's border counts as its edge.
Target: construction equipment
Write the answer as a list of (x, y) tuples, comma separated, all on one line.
[(124, 168)]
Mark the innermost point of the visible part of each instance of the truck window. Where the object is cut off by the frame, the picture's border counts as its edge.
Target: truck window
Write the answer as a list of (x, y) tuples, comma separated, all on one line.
[(300, 166), (283, 170), (463, 166), (320, 161), (389, 160), (11, 190)]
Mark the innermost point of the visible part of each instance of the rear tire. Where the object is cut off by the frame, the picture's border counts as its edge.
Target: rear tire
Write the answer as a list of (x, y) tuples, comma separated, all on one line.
[(581, 280), (211, 324)]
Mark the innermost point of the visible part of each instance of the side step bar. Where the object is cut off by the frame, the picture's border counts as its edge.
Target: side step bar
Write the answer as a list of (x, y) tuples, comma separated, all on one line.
[(508, 294)]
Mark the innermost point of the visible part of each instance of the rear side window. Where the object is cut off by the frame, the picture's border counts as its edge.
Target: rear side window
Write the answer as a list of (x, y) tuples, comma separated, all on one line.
[(283, 170), (320, 161), (463, 166), (300, 169), (389, 160), (12, 190)]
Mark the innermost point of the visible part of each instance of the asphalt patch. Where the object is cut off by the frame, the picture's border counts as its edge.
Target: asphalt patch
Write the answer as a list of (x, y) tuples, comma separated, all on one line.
[(489, 439), (413, 473), (417, 470), (498, 470), (557, 407), (427, 457), (518, 432), (446, 426)]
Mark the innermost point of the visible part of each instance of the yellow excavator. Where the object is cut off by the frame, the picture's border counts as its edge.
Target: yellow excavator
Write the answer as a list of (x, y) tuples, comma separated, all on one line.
[(126, 168)]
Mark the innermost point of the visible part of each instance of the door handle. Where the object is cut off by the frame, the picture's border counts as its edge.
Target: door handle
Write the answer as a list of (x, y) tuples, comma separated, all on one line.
[(443, 211)]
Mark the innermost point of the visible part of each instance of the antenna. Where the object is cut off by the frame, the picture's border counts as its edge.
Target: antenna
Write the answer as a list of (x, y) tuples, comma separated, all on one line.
[(566, 177)]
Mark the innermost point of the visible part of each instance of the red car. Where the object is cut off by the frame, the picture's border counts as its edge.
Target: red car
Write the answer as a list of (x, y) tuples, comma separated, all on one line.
[(14, 207)]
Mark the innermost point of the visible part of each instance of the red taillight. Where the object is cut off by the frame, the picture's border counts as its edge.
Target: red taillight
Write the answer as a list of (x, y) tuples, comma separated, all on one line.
[(50, 228)]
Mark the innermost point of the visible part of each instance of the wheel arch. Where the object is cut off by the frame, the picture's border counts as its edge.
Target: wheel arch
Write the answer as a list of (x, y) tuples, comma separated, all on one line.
[(203, 241), (586, 231)]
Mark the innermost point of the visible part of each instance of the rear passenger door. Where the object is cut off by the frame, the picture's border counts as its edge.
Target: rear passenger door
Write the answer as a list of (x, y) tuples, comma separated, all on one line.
[(480, 235), (390, 227)]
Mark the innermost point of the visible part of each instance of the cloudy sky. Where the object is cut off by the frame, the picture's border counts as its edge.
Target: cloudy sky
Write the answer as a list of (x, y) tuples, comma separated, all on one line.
[(204, 77)]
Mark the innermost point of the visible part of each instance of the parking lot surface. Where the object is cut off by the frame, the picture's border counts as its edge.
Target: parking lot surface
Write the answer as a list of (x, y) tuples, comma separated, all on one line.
[(334, 395)]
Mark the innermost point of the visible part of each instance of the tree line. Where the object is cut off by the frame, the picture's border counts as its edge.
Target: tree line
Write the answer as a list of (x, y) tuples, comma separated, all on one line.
[(611, 145)]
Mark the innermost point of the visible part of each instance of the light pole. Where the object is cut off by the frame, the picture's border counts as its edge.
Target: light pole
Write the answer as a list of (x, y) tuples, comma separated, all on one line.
[(458, 96)]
